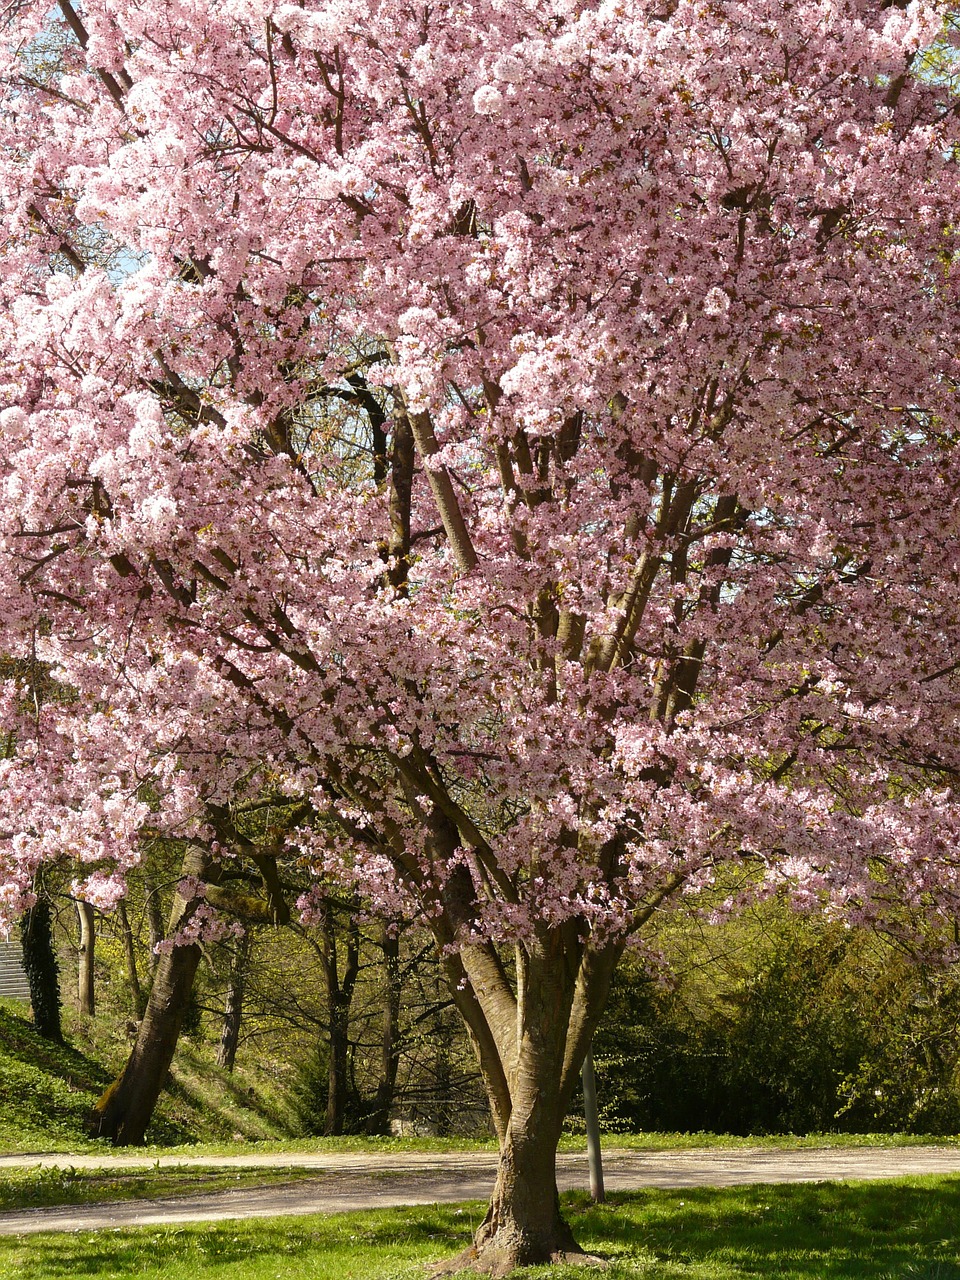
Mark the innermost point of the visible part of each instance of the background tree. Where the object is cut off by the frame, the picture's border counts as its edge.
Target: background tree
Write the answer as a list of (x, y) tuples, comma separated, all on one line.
[(42, 969), (522, 441), (233, 1005), (783, 1025), (86, 956)]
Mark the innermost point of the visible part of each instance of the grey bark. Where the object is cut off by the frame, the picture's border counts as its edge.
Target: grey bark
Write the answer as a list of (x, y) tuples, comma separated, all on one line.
[(378, 1119), (86, 991), (591, 1115), (130, 957), (531, 1036), (339, 994), (124, 1111), (233, 1005)]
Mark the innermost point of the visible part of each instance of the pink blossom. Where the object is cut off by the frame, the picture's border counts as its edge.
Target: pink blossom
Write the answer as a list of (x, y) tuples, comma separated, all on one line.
[(520, 449), (488, 100), (716, 302)]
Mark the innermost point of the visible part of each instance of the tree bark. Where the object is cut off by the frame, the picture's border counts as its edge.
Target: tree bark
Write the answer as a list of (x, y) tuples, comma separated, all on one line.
[(124, 1111), (378, 1119), (339, 998), (531, 1033), (443, 1103), (233, 1005), (591, 1116), (130, 956), (524, 1224), (337, 1081), (85, 971), (42, 970)]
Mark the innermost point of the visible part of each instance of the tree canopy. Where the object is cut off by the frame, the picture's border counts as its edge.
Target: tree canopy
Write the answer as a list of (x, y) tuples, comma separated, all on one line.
[(509, 448)]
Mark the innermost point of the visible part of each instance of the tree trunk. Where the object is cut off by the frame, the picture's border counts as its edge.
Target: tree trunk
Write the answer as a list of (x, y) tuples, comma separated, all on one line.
[(233, 1005), (443, 1104), (42, 970), (130, 956), (85, 973), (531, 1031), (339, 998), (154, 918), (126, 1108), (524, 1225), (378, 1120), (591, 1117), (338, 1015)]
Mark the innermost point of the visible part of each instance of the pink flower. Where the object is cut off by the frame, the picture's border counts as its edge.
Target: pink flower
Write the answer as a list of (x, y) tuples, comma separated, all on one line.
[(716, 302), (488, 100)]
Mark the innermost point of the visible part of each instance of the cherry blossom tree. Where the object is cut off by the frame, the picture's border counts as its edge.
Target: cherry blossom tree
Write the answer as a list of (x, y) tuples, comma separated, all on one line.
[(507, 447)]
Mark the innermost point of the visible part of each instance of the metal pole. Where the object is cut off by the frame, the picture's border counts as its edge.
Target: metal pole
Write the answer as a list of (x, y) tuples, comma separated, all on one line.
[(592, 1117)]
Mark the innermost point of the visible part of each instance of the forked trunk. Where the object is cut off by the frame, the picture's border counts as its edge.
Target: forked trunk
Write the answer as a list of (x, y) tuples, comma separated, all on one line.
[(338, 1081), (531, 1023), (531, 1039), (340, 989), (233, 1005), (524, 1225), (378, 1118)]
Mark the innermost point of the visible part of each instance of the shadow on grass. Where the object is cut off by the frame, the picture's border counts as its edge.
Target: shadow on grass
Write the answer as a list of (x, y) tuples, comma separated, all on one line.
[(293, 1246), (908, 1230), (190, 1082)]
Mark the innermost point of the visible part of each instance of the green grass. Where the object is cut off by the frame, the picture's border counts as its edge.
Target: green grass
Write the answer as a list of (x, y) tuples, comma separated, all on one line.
[(46, 1089), (353, 1144), (206, 1102), (774, 1141), (30, 1188), (568, 1143), (908, 1229)]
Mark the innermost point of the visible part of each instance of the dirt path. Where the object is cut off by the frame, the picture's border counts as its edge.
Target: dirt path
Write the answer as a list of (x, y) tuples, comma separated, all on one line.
[(348, 1181)]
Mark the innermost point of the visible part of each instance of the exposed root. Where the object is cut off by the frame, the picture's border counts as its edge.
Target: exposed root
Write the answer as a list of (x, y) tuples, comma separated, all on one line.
[(498, 1262)]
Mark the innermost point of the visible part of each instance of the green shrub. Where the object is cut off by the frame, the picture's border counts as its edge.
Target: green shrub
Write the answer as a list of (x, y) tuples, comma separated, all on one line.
[(821, 1029)]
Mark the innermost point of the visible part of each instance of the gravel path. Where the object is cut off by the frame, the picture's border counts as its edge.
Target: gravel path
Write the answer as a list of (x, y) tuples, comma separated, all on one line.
[(349, 1181)]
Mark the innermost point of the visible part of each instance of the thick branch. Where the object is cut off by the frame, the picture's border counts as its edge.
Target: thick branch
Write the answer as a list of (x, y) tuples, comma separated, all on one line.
[(454, 525), (80, 31)]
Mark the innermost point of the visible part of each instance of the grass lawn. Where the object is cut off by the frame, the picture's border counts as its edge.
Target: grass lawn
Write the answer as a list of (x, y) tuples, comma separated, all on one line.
[(27, 1142), (907, 1229), (569, 1142), (30, 1188)]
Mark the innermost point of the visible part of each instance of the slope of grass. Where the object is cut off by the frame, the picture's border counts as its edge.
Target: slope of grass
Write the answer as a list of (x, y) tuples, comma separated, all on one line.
[(46, 1089), (899, 1230), (203, 1103)]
